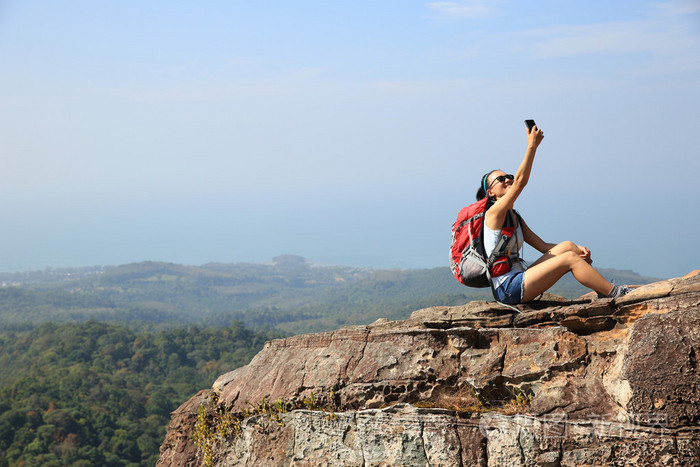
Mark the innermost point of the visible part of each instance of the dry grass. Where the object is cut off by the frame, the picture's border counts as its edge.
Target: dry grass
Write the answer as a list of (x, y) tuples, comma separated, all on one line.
[(466, 400)]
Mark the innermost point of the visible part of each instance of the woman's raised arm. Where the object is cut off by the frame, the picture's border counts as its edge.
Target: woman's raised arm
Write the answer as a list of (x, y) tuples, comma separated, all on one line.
[(497, 213)]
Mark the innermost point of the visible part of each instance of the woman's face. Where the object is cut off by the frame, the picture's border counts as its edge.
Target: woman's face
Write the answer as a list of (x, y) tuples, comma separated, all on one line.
[(496, 189)]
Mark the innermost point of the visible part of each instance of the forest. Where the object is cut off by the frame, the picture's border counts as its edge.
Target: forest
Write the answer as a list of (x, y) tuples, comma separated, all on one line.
[(88, 394)]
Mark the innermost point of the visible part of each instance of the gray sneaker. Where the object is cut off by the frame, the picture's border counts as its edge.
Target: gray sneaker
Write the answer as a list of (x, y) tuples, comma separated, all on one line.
[(618, 291)]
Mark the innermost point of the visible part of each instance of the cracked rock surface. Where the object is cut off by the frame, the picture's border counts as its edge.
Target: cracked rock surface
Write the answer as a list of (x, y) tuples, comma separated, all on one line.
[(606, 382)]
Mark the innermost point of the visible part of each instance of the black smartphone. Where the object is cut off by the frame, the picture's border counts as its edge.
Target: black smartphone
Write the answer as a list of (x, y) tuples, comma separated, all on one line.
[(530, 124)]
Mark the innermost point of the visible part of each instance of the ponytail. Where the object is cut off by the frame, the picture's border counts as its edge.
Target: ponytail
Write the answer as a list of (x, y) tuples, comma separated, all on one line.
[(481, 192)]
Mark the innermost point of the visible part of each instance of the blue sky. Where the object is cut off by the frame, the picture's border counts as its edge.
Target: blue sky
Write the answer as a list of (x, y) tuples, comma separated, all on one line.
[(344, 132)]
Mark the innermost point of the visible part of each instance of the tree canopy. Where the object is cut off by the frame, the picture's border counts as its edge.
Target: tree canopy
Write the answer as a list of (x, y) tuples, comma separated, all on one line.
[(100, 394)]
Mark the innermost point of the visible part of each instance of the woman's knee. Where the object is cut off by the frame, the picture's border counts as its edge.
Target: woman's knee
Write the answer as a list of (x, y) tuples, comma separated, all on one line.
[(570, 257), (563, 247), (567, 246)]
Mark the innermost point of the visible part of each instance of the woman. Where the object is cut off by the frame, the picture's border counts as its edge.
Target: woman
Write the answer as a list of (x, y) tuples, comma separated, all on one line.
[(521, 283)]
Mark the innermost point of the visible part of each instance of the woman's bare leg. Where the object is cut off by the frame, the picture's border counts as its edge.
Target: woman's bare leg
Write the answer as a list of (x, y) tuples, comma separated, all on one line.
[(547, 270), (563, 247)]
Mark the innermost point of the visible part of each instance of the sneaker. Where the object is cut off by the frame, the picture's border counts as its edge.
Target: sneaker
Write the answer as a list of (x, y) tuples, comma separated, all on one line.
[(619, 291), (616, 292)]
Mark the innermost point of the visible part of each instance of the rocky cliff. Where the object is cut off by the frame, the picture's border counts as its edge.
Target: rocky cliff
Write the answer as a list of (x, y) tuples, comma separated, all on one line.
[(560, 383)]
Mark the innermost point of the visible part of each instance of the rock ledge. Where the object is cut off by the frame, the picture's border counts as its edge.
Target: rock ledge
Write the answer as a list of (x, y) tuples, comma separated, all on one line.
[(588, 381)]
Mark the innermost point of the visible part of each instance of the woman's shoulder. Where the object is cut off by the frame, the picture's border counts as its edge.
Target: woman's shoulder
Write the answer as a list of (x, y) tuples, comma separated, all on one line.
[(497, 214)]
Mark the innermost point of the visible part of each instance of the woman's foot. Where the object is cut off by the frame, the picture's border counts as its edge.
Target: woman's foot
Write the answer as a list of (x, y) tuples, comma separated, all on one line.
[(616, 292)]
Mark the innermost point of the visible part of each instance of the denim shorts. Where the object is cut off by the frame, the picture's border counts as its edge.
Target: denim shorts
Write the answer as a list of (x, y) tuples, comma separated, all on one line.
[(511, 290)]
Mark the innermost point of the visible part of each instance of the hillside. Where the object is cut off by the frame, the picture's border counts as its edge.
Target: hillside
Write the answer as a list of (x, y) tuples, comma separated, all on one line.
[(93, 394), (289, 294)]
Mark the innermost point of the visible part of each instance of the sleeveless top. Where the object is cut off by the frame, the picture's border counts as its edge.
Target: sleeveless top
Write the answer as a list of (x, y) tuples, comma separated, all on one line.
[(514, 245)]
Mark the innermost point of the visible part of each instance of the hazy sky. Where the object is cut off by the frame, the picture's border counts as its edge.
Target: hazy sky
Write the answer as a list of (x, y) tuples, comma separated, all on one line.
[(344, 132)]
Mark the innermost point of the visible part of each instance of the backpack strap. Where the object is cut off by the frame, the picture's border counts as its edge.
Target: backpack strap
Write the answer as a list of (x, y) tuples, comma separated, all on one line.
[(520, 218), (501, 243), (499, 250)]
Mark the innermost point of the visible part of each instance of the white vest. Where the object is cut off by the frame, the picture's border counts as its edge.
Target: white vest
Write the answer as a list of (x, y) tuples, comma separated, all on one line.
[(514, 245)]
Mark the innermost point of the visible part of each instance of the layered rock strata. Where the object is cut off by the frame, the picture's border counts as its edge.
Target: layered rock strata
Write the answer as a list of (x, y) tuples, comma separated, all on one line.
[(583, 382)]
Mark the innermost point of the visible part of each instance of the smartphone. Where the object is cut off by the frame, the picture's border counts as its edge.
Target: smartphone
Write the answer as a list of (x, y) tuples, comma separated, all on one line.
[(530, 124)]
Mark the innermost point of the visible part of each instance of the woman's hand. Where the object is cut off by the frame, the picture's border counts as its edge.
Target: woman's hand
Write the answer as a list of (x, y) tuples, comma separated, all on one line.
[(534, 136), (585, 253)]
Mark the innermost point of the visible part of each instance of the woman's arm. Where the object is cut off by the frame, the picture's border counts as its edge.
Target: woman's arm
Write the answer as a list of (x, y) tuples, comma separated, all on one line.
[(496, 215), (545, 248)]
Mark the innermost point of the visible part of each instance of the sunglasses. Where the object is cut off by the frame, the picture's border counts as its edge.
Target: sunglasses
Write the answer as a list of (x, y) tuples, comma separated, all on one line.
[(500, 179)]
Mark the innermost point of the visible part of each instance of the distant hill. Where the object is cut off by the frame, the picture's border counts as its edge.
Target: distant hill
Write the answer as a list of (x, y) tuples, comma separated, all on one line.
[(289, 293)]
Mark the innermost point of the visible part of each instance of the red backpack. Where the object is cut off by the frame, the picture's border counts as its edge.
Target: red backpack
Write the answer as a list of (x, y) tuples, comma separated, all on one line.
[(468, 260)]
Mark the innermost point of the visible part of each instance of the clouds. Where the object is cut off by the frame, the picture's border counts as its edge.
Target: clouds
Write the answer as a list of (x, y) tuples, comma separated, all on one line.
[(616, 38), (666, 29), (467, 9), (676, 8), (658, 36)]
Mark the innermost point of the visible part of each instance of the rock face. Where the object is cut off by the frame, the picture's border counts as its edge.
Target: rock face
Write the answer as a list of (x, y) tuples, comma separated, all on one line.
[(562, 383)]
